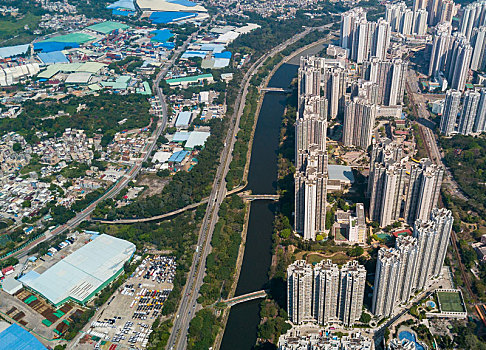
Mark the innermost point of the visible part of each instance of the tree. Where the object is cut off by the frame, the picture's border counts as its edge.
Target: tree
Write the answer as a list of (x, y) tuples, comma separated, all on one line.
[(26, 204), (356, 251), (17, 147), (285, 233), (365, 318)]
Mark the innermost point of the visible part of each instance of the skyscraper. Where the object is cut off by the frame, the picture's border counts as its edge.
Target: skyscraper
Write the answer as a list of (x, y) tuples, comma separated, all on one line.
[(419, 5), (451, 110), (440, 48), (393, 188), (469, 111), (459, 63), (364, 39), (386, 282), (408, 250), (390, 77), (359, 121), (387, 189), (352, 286), (473, 16), (310, 151), (310, 194), (299, 292), (447, 10), (419, 26), (480, 120), (413, 262), (432, 240), (478, 61), (326, 292), (383, 151), (348, 19), (423, 190)]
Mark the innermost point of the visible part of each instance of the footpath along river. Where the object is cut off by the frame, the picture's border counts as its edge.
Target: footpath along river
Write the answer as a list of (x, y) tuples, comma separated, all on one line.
[(241, 329)]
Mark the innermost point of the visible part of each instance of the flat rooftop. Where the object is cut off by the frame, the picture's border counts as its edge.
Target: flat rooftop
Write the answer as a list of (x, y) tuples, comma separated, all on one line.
[(82, 274)]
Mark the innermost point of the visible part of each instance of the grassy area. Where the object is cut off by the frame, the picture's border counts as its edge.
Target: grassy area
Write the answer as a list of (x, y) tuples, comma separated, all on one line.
[(450, 302), (13, 31), (338, 258)]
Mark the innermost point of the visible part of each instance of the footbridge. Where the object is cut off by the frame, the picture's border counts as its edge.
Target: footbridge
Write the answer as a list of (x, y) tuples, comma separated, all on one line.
[(275, 89), (253, 197), (245, 297)]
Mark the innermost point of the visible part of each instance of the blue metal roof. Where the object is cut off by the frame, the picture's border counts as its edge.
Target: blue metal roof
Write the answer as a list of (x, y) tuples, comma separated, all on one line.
[(11, 51), (170, 16), (53, 57), (225, 54), (161, 35), (178, 157), (53, 46), (17, 338)]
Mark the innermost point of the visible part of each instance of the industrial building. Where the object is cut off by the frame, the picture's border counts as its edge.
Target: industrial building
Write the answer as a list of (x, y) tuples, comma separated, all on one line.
[(14, 337), (81, 275)]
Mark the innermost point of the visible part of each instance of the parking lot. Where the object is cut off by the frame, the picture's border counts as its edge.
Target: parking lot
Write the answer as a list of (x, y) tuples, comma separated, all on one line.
[(126, 319)]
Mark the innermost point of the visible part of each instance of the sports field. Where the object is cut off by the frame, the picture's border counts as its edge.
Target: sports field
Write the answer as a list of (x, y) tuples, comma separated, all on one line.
[(450, 302)]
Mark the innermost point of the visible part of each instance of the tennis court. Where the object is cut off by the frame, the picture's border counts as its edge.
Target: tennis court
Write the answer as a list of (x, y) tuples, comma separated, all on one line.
[(450, 302)]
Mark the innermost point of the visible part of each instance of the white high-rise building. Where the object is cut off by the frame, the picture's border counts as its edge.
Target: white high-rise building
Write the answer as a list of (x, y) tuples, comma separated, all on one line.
[(310, 195), (419, 26), (478, 61), (408, 250), (348, 20), (414, 261), (432, 240), (423, 191), (390, 77), (469, 111), (440, 48), (364, 39), (419, 5), (359, 121), (473, 16), (480, 120), (451, 110), (310, 151), (459, 63), (299, 292), (386, 282), (351, 293), (326, 292)]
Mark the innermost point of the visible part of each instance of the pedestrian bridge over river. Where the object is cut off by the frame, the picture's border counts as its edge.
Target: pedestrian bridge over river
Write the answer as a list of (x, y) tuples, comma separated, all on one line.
[(245, 297)]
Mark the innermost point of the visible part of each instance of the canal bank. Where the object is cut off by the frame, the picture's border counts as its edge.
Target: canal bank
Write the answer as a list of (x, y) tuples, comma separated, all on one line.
[(243, 320)]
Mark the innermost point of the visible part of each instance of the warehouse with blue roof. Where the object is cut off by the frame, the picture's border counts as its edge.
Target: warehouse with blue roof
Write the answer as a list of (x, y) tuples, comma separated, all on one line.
[(14, 337)]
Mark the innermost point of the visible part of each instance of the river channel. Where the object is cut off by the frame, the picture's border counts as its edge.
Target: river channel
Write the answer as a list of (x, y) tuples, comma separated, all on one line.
[(241, 329)]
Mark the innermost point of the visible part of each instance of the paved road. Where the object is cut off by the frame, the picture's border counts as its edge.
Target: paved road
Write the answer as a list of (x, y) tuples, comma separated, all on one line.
[(133, 171), (188, 304)]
